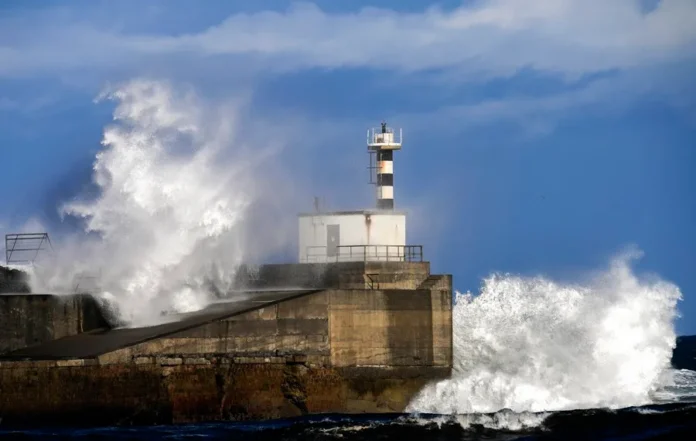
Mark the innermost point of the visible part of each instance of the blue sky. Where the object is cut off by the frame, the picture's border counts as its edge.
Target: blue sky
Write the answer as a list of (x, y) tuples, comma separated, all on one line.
[(540, 137)]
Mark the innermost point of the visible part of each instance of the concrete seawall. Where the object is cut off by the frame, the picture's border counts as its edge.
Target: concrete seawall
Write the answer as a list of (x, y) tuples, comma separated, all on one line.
[(274, 354), (185, 389)]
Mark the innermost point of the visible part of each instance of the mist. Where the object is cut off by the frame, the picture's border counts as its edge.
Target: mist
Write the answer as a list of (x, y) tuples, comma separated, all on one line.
[(182, 201)]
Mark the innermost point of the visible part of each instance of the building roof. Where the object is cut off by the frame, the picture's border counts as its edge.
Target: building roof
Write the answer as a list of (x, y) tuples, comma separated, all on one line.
[(352, 212), (94, 343)]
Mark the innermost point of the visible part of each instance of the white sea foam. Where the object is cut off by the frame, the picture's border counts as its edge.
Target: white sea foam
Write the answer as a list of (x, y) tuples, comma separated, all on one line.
[(677, 385), (533, 345), (501, 420), (168, 220)]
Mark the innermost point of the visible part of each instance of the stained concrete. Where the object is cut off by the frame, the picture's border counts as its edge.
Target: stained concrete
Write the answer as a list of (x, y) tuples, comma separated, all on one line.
[(101, 341), (343, 275), (390, 328), (220, 390)]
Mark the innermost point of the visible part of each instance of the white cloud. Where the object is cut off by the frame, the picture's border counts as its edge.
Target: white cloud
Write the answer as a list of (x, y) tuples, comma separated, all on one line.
[(471, 44), (494, 37), (490, 38), (534, 114)]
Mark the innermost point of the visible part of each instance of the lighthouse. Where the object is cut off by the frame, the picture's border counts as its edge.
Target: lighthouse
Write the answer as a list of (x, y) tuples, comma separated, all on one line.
[(377, 234), (381, 144)]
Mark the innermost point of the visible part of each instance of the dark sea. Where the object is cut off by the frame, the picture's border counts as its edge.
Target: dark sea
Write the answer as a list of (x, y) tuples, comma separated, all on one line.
[(655, 422)]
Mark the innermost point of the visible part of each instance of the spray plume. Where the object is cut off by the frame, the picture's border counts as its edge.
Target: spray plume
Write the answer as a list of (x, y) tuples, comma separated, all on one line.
[(169, 219), (533, 345)]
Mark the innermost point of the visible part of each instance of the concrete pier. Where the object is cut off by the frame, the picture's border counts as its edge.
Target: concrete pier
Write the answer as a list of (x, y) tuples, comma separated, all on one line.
[(347, 337)]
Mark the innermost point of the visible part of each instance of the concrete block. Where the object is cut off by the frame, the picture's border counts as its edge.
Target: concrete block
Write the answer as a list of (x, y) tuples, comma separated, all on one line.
[(250, 328), (196, 361), (298, 358), (252, 344), (313, 306), (70, 363), (119, 356), (265, 313), (167, 361), (179, 346), (303, 326), (143, 360)]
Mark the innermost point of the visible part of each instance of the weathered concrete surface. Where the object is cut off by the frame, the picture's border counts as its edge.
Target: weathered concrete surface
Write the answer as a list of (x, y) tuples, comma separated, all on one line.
[(92, 344), (343, 349), (343, 275), (343, 328), (390, 328), (330, 328), (295, 326), (220, 390), (31, 319)]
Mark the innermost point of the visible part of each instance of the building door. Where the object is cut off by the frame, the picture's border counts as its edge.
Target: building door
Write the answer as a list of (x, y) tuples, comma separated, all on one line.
[(333, 240)]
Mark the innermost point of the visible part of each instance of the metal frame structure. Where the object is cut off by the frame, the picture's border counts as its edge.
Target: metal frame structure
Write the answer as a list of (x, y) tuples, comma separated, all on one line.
[(376, 139), (12, 241)]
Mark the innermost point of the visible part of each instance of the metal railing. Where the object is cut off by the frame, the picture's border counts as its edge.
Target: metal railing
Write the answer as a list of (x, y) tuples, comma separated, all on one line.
[(376, 137), (365, 253), (24, 248), (372, 280)]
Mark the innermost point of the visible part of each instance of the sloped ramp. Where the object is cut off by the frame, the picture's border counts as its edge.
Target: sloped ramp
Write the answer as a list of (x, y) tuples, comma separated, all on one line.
[(95, 343)]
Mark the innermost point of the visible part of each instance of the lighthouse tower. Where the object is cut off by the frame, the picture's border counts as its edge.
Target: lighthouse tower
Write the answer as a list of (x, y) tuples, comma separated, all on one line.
[(381, 144), (363, 235)]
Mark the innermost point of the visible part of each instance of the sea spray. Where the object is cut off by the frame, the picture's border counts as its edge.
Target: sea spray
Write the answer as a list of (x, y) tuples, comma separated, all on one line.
[(168, 218), (533, 345)]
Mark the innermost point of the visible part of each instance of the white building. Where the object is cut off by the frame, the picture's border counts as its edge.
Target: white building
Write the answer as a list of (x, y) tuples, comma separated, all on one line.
[(365, 235), (345, 236)]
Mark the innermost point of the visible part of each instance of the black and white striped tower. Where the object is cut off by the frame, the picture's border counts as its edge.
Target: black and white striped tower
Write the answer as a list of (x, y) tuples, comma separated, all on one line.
[(382, 142)]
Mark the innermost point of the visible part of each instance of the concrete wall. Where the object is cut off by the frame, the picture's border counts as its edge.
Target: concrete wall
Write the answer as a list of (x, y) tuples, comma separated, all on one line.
[(294, 327), (389, 328), (197, 389), (339, 350), (340, 328), (348, 275), (31, 319), (356, 228), (384, 275)]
